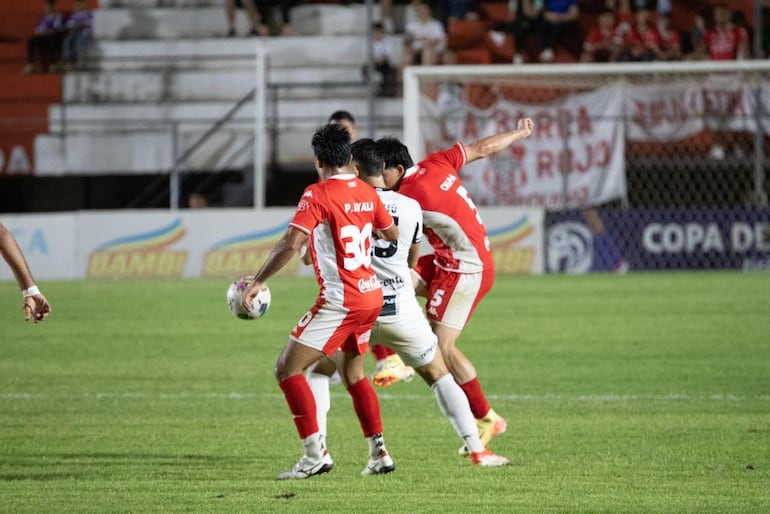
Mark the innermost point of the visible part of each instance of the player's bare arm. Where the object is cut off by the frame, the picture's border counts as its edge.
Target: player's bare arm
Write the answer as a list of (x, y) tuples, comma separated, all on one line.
[(290, 244), (388, 234), (491, 145), (36, 307)]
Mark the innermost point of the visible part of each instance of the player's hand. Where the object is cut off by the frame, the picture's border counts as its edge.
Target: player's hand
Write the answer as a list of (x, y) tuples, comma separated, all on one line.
[(36, 308), (251, 293), (526, 125)]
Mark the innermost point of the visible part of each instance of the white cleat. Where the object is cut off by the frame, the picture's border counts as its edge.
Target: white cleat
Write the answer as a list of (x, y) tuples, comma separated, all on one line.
[(380, 465), (307, 468), (487, 459)]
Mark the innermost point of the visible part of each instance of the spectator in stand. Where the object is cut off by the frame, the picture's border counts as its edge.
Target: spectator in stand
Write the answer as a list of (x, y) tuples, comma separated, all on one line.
[(382, 62), (670, 49), (602, 43), (78, 36), (462, 9), (425, 38), (725, 41), (560, 20), (622, 10), (525, 19), (44, 47), (256, 16), (641, 41)]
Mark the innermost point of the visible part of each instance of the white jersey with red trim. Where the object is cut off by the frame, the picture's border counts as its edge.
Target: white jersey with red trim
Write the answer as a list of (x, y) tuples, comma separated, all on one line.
[(391, 258), (451, 220), (339, 216)]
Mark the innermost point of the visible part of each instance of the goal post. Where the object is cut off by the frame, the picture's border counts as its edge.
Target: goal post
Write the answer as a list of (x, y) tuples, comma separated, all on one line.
[(667, 138)]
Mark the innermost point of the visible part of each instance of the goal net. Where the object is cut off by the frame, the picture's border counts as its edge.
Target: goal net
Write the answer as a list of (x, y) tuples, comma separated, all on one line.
[(639, 165)]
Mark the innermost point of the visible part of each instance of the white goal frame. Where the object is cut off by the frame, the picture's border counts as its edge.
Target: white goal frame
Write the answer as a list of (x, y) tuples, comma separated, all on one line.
[(415, 75)]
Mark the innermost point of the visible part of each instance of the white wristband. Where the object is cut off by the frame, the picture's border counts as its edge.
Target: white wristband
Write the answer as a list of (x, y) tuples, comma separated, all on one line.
[(32, 291)]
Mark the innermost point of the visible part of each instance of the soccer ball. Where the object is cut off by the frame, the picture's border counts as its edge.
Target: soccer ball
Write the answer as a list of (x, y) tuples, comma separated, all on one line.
[(260, 304)]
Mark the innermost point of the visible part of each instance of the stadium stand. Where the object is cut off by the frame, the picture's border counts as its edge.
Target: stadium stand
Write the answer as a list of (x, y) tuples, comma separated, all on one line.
[(163, 67), (160, 66)]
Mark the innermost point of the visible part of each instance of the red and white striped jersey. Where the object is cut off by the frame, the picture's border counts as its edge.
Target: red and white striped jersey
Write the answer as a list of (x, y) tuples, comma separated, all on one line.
[(451, 220), (339, 216)]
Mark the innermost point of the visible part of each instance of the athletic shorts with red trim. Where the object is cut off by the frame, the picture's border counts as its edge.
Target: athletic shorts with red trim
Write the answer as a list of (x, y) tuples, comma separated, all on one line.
[(329, 328), (452, 296)]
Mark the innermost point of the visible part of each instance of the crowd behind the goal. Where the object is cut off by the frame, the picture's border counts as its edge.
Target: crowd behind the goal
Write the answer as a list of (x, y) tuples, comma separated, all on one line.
[(468, 32)]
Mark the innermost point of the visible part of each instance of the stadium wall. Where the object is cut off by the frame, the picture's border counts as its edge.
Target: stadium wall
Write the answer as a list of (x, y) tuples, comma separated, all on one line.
[(212, 243)]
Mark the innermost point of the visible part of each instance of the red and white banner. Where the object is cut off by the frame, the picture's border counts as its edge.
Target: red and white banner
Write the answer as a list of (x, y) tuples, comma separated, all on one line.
[(575, 156), (679, 110)]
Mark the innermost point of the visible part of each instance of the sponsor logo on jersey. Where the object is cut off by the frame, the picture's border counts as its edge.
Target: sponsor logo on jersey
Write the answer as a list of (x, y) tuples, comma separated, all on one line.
[(244, 253), (393, 282), (146, 254), (367, 285)]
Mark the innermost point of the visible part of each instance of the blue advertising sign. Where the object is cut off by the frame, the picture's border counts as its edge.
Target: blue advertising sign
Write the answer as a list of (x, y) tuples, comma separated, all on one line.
[(656, 239)]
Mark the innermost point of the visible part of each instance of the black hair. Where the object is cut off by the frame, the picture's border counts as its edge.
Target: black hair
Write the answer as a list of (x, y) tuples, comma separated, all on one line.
[(367, 158), (394, 153), (331, 145), (341, 115)]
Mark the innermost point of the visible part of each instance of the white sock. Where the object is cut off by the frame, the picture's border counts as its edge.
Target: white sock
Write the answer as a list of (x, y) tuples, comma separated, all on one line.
[(314, 446), (376, 445), (454, 404), (319, 385)]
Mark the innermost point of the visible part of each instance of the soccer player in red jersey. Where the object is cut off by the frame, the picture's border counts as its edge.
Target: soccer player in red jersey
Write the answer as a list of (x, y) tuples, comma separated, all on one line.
[(338, 215), (461, 270)]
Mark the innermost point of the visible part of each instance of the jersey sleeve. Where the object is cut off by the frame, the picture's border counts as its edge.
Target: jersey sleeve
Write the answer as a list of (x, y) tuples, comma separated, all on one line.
[(454, 157), (310, 211), (382, 218)]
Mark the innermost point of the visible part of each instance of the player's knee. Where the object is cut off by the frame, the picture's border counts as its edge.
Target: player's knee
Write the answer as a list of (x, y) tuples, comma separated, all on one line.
[(433, 371)]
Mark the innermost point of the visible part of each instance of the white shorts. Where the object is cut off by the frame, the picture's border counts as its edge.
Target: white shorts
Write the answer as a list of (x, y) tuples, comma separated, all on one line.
[(408, 333)]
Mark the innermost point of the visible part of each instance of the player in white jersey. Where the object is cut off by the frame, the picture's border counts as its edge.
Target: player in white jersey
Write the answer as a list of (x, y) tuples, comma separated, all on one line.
[(401, 324), (389, 368)]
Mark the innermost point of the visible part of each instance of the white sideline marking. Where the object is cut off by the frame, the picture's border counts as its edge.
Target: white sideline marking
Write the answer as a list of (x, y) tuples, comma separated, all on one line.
[(598, 398)]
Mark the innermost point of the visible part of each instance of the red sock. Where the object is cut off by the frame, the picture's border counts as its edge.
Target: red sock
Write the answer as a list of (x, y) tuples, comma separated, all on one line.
[(381, 352), (476, 398), (301, 404), (367, 407)]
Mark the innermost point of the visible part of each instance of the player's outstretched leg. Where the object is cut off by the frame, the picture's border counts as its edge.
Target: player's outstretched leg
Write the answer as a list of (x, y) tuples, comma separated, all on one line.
[(490, 424)]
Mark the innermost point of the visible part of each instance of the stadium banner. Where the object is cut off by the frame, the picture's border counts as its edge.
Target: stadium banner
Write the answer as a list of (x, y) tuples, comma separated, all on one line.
[(516, 237), (47, 242), (574, 157), (657, 239), (232, 243), (164, 244), (212, 242), (680, 110)]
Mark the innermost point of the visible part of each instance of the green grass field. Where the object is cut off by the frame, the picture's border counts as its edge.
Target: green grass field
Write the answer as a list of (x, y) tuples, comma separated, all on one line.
[(638, 393)]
